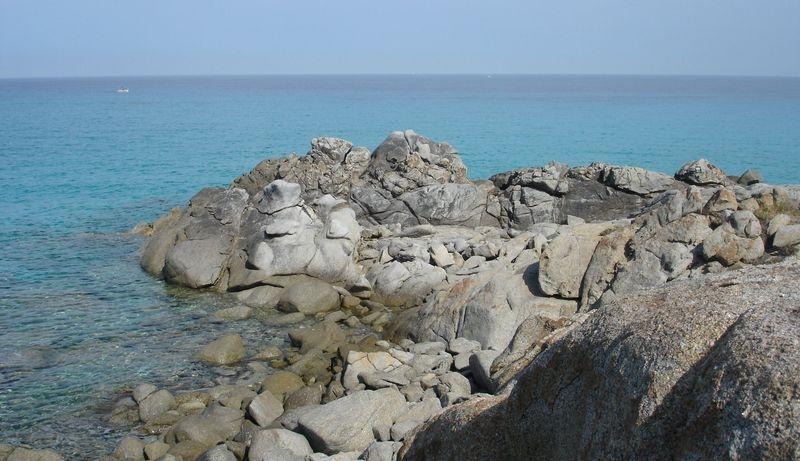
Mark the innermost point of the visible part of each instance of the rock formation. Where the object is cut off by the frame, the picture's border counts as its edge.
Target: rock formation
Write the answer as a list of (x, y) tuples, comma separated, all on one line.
[(615, 312), (705, 368)]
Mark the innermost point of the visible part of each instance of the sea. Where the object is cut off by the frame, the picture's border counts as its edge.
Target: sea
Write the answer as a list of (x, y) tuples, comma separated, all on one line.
[(81, 164)]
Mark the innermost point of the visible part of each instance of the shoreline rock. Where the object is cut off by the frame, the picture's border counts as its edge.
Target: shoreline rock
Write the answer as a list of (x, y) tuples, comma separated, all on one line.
[(416, 290)]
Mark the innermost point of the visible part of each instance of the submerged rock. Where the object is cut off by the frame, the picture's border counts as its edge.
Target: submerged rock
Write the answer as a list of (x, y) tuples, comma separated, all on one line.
[(225, 350)]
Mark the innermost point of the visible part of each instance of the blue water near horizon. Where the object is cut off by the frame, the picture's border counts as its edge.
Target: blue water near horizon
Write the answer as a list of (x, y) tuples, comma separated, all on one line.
[(82, 164)]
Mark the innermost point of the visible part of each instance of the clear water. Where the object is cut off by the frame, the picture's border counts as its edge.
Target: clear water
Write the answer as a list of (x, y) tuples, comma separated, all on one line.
[(82, 164)]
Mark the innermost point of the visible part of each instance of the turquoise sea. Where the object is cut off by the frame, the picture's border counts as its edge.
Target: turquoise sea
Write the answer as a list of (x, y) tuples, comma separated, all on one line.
[(81, 164)]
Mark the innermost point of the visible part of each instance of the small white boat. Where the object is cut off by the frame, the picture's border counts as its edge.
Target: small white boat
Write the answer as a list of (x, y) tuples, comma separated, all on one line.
[(123, 89)]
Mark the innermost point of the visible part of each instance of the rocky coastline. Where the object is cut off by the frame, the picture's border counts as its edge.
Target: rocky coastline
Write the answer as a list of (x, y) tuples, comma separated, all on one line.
[(549, 312)]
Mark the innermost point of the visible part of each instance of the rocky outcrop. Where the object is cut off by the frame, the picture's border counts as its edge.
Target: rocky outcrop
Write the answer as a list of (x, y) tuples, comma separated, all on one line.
[(684, 370), (472, 283)]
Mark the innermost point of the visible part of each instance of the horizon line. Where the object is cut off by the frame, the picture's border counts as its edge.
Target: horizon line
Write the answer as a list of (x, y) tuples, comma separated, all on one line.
[(390, 74)]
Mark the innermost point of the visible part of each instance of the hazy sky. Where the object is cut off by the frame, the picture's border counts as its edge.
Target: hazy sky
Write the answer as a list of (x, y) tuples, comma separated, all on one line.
[(168, 37)]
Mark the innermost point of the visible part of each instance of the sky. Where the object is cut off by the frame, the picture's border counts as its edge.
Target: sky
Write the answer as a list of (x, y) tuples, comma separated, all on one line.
[(55, 38)]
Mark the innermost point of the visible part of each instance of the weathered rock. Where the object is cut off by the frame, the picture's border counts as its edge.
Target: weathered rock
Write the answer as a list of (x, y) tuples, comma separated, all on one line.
[(381, 451), (188, 449), (701, 173), (155, 404), (787, 236), (310, 297), (156, 449), (225, 350), (323, 336), (278, 445), (234, 313), (722, 200), (462, 345), (218, 453), (728, 246), (750, 177), (307, 395), (346, 424), (265, 409), (486, 308), (143, 390), (480, 363), (636, 180), (281, 383), (686, 370), (776, 223), (565, 260), (404, 283), (130, 448), (214, 425)]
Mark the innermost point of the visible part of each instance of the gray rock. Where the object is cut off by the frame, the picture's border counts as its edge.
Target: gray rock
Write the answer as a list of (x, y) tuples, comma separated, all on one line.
[(218, 453), (528, 334), (130, 448), (406, 283), (346, 424), (787, 236), (214, 425), (281, 383), (196, 263), (278, 445), (322, 336), (155, 404), (156, 449), (308, 395), (776, 223), (427, 347), (481, 366), (234, 313), (722, 200), (566, 259), (486, 308), (225, 350), (455, 383), (381, 451), (265, 408), (441, 256), (399, 430), (279, 195), (310, 297), (462, 345), (701, 173), (695, 369), (636, 180), (143, 390), (725, 246), (750, 177)]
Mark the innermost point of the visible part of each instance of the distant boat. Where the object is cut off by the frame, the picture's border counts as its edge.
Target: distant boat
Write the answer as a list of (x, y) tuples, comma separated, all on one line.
[(123, 89)]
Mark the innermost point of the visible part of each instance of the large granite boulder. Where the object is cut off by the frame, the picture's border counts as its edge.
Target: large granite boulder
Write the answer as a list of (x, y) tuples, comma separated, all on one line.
[(346, 424), (686, 370)]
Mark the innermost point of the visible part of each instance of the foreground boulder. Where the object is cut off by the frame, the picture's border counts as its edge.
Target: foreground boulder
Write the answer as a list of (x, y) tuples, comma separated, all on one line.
[(705, 368)]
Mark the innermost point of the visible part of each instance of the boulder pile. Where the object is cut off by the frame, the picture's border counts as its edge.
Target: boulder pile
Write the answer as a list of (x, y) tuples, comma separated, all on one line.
[(567, 312)]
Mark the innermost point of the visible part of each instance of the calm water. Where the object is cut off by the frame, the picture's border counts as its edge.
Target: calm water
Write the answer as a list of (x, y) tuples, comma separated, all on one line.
[(81, 164)]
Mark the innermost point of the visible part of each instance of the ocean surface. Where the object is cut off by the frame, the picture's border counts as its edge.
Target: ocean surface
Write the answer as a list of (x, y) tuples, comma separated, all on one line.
[(81, 164)]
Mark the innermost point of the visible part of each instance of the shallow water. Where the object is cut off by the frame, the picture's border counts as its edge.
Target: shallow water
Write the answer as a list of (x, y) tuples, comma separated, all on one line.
[(82, 164)]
